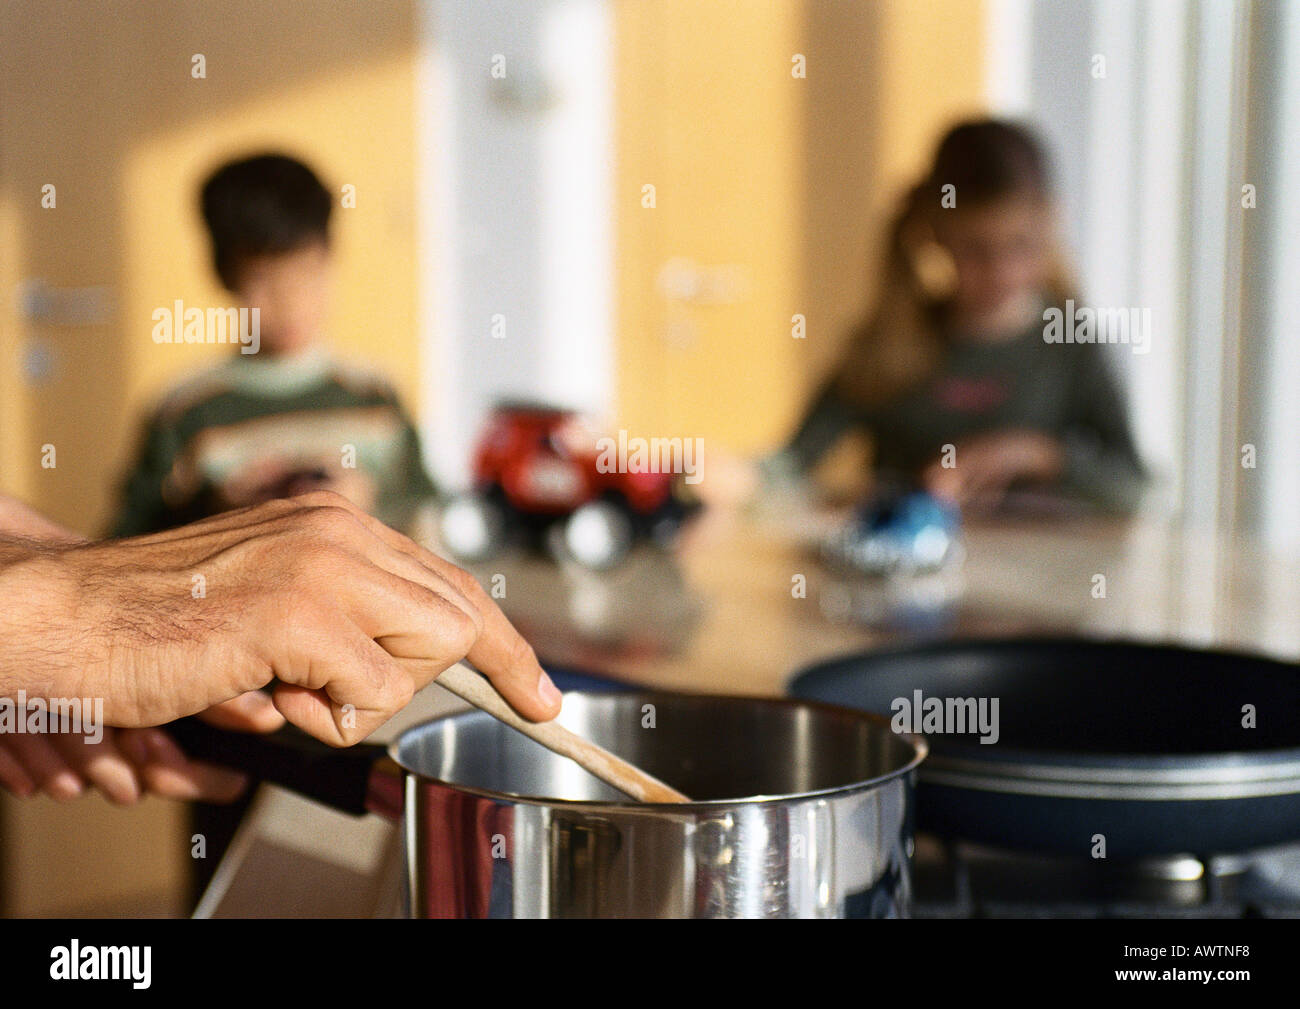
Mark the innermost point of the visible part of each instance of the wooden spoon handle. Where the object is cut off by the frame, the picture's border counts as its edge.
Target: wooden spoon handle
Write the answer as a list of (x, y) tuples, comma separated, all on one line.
[(627, 778)]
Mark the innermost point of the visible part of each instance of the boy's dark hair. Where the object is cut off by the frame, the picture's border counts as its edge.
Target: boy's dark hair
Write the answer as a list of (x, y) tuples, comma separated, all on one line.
[(259, 205)]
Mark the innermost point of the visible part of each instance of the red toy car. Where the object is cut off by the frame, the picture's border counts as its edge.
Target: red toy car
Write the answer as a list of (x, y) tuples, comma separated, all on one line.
[(537, 477)]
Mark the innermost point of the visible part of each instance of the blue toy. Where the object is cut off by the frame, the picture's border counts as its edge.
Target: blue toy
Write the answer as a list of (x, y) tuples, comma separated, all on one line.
[(911, 533)]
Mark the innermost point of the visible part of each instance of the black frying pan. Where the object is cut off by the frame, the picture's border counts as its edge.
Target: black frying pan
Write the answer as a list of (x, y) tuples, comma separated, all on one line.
[(1143, 744)]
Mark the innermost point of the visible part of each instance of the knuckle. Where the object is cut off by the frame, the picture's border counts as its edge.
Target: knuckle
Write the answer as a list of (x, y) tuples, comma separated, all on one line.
[(467, 585), (276, 506), (400, 692), (331, 521), (421, 596), (464, 582), (322, 499), (390, 689), (462, 632), (349, 736)]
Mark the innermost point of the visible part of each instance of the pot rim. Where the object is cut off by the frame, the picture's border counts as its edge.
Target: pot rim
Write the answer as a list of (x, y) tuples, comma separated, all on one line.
[(920, 750)]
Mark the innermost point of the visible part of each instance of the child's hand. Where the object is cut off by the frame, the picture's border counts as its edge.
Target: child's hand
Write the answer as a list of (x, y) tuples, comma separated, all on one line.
[(987, 465)]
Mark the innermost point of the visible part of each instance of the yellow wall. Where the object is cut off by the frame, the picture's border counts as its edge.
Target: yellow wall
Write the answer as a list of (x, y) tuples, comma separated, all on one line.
[(14, 441), (104, 105), (708, 115), (791, 180), (98, 99)]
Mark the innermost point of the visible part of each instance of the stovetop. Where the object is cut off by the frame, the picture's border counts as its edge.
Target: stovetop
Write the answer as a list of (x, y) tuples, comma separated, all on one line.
[(960, 880)]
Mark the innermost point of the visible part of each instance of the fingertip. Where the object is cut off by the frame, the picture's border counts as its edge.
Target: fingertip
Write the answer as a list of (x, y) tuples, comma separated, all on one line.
[(267, 718), (121, 794), (549, 694), (23, 788), (116, 777), (253, 711), (541, 703), (260, 709), (14, 778), (195, 782), (64, 786), (221, 785)]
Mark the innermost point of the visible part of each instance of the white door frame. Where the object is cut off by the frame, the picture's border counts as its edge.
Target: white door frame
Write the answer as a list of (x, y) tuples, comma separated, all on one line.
[(515, 142)]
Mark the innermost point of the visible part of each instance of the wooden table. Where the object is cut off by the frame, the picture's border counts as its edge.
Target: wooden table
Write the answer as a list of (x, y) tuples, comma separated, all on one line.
[(725, 611)]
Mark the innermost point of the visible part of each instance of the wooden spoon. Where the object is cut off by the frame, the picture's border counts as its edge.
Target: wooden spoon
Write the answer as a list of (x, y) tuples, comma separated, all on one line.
[(627, 778)]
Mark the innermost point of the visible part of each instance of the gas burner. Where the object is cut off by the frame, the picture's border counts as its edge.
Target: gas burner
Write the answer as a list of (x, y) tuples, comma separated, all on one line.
[(962, 880)]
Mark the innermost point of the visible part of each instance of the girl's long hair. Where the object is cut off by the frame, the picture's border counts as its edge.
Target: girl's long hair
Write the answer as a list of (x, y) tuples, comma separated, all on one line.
[(902, 343)]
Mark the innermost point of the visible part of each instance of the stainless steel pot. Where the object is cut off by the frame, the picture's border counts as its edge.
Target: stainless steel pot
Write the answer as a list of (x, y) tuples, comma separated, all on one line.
[(802, 810)]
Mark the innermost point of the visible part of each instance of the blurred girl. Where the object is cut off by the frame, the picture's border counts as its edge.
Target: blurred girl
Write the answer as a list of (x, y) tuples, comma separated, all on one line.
[(952, 376)]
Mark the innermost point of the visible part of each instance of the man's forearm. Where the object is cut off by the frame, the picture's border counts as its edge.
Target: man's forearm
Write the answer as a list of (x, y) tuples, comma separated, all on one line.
[(26, 624), (25, 537)]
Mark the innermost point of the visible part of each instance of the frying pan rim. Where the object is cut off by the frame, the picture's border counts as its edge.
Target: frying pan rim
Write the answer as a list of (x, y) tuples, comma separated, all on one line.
[(1013, 762), (1024, 783), (920, 748)]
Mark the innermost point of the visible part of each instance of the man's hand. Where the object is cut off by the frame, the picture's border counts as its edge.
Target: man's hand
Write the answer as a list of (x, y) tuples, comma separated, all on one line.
[(349, 616), (127, 764)]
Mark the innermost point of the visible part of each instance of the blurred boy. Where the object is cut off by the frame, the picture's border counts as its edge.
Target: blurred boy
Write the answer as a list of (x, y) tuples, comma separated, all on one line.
[(284, 420), (288, 418)]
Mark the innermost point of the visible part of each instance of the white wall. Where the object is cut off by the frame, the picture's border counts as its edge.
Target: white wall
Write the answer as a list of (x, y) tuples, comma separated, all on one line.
[(1272, 276), (1197, 99), (516, 213)]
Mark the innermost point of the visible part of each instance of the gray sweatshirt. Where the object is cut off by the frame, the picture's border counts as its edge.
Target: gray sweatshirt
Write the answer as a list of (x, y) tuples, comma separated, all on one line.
[(1063, 390)]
